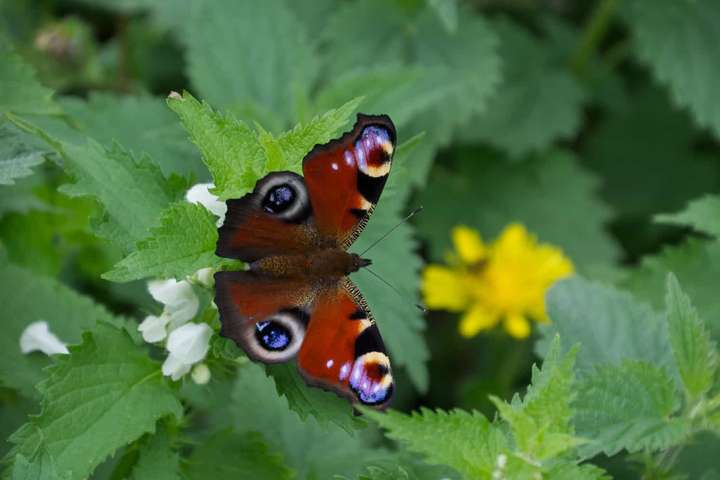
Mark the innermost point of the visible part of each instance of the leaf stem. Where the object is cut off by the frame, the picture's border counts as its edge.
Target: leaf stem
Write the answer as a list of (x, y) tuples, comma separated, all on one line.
[(594, 32)]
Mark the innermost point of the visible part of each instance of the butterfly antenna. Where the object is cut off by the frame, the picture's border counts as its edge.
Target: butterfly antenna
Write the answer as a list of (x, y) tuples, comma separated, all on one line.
[(407, 217), (419, 306)]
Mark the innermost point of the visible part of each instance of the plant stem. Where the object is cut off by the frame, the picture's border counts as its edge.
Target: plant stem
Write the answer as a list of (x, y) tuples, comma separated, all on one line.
[(592, 35)]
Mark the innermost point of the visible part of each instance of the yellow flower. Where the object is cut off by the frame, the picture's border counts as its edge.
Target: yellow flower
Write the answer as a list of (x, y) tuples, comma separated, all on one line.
[(504, 282)]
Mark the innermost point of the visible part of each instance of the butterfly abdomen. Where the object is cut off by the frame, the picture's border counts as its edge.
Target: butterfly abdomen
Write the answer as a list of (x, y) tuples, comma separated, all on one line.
[(328, 263)]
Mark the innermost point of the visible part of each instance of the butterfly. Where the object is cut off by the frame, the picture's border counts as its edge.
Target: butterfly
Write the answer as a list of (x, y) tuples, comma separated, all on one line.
[(296, 299)]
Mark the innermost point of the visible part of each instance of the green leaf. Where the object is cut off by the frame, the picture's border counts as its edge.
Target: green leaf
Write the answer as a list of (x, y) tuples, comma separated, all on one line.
[(133, 200), (538, 103), (102, 396), (540, 423), (230, 148), (298, 142), (18, 167), (232, 455), (35, 298), (141, 124), (41, 469), (694, 352), (536, 193), (20, 92), (326, 407), (676, 39), (627, 406), (250, 56), (182, 244), (324, 450), (447, 12), (466, 441), (696, 263), (609, 324), (702, 214), (158, 460)]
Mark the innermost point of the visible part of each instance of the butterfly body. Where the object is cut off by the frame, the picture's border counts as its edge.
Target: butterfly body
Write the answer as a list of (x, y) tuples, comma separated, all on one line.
[(296, 299)]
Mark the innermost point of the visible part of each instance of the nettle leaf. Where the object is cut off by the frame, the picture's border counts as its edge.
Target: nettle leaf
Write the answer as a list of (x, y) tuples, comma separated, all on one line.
[(325, 448), (696, 263), (664, 32), (702, 214), (400, 322), (251, 57), (326, 407), (182, 244), (142, 124), (16, 158), (102, 396), (231, 455), (694, 352), (34, 298), (133, 200), (466, 441), (609, 324), (627, 406), (40, 469), (540, 423), (158, 460), (494, 193), (524, 115), (20, 92)]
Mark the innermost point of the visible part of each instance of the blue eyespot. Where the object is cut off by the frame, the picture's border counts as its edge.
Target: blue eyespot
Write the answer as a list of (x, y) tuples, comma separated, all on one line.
[(279, 199), (272, 335)]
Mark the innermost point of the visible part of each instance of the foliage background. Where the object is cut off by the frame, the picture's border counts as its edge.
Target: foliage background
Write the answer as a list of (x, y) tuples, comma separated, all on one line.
[(595, 124)]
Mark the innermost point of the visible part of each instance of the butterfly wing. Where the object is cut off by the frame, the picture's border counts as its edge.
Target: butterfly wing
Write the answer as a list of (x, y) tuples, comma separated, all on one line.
[(274, 219), (345, 177), (343, 350), (330, 330)]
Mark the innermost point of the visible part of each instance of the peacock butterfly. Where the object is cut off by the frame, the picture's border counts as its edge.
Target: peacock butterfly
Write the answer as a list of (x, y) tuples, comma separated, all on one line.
[(296, 298)]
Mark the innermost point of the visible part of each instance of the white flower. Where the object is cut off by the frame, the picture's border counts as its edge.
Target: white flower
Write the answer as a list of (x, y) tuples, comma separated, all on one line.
[(186, 345), (181, 303), (38, 337), (154, 328), (204, 276), (200, 193), (201, 374)]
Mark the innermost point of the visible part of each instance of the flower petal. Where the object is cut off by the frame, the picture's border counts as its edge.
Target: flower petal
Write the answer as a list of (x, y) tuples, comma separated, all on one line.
[(201, 374), (517, 326), (181, 303), (200, 193), (189, 343), (468, 244), (174, 367), (476, 319), (444, 288), (153, 328), (38, 337), (205, 277)]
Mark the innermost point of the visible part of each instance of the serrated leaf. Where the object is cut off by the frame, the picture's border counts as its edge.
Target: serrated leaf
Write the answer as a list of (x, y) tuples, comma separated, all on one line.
[(20, 92), (158, 460), (537, 102), (537, 193), (18, 167), (141, 124), (41, 469), (627, 406), (570, 471), (696, 263), (133, 193), (324, 450), (609, 324), (540, 423), (665, 33), (252, 57), (695, 354), (466, 441), (702, 214), (35, 298), (229, 148), (103, 395), (182, 244), (306, 401), (232, 455)]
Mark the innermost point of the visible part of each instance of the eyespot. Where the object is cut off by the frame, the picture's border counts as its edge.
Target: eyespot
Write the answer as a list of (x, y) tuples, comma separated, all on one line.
[(277, 338), (371, 380), (283, 195)]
